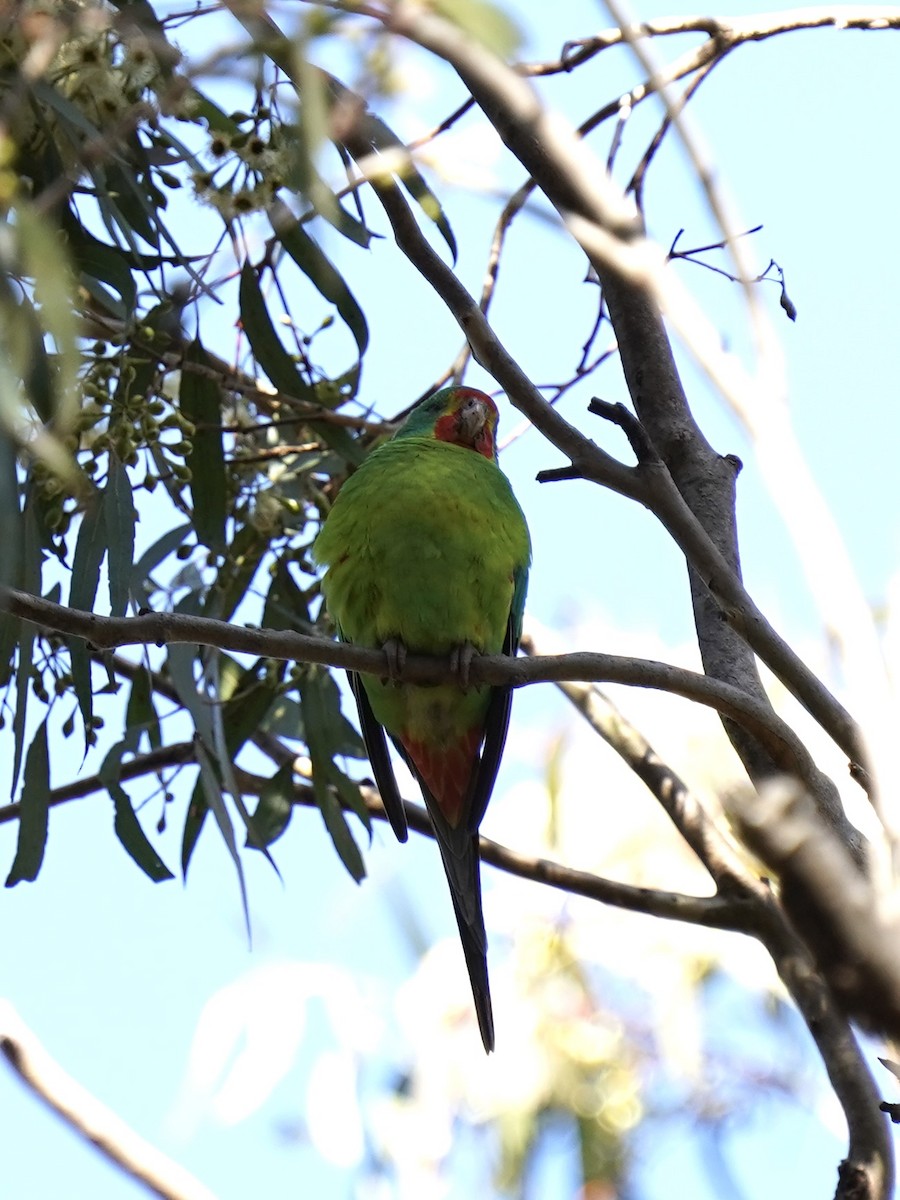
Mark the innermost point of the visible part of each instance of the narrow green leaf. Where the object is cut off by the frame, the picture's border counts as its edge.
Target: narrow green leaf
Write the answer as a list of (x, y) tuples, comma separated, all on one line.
[(10, 516), (31, 582), (34, 806), (127, 827), (141, 714), (246, 711), (11, 538), (131, 202), (286, 606), (216, 801), (315, 706), (23, 681), (180, 659), (193, 824), (131, 835), (485, 23), (200, 399), (321, 273), (285, 720), (97, 261), (273, 812), (44, 258), (90, 548), (267, 347), (382, 137), (281, 369), (339, 831), (10, 631), (348, 790), (119, 518), (25, 340), (142, 585), (248, 548)]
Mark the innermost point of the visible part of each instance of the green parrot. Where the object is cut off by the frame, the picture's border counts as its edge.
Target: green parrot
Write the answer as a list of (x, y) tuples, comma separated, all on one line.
[(427, 552)]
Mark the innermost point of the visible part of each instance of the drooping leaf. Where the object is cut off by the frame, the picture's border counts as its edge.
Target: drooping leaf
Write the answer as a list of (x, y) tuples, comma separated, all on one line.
[(45, 260), (197, 812), (141, 583), (141, 713), (382, 138), (41, 378), (247, 549), (267, 347), (249, 695), (245, 711), (483, 22), (285, 720), (127, 827), (98, 264), (281, 369), (286, 606), (32, 562), (119, 517), (33, 809), (90, 549), (288, 54), (273, 811), (216, 802), (10, 517), (316, 708), (320, 271), (200, 399)]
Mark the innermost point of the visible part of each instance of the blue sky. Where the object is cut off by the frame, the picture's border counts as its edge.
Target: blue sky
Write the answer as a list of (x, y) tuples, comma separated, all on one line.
[(113, 972)]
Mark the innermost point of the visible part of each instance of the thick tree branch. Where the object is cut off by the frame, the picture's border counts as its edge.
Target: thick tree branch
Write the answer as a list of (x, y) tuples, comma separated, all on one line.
[(168, 628), (685, 809), (89, 1118), (693, 493), (861, 956), (717, 586)]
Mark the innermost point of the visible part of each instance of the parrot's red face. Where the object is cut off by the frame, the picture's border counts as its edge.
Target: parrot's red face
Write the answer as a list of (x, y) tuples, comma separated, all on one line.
[(470, 419)]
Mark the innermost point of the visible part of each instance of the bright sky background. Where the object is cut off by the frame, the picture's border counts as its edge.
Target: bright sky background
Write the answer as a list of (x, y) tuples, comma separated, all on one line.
[(113, 972)]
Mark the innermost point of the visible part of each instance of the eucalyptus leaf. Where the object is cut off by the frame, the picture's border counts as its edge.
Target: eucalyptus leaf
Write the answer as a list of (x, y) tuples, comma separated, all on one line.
[(119, 518), (201, 401), (33, 811), (321, 272), (274, 809)]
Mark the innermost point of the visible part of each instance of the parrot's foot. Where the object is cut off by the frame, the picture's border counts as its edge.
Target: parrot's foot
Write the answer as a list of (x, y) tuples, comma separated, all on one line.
[(395, 653), (461, 661)]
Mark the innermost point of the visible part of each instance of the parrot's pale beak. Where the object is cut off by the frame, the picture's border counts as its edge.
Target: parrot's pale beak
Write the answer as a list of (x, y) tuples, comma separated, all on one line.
[(472, 417)]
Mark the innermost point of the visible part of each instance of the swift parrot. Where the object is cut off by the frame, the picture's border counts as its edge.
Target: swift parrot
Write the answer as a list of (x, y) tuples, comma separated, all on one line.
[(427, 551)]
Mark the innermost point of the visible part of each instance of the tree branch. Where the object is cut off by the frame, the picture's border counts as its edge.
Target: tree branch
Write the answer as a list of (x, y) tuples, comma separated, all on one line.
[(168, 628), (89, 1118)]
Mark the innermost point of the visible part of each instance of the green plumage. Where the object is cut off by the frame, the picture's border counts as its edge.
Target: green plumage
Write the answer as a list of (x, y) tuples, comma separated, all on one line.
[(427, 550)]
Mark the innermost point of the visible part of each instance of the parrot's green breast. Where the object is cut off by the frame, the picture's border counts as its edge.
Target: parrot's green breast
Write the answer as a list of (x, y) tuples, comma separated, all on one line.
[(426, 544), (423, 544)]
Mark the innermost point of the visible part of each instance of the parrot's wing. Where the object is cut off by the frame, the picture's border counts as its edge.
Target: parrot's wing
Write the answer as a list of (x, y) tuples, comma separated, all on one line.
[(379, 758), (496, 723), (496, 726)]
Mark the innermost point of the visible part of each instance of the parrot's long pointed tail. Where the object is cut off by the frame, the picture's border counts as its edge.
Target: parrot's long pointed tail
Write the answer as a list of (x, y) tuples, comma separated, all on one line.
[(459, 852), (446, 773), (474, 944)]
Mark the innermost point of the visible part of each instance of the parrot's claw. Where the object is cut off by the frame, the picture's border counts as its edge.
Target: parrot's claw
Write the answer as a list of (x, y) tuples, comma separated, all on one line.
[(461, 662), (395, 653)]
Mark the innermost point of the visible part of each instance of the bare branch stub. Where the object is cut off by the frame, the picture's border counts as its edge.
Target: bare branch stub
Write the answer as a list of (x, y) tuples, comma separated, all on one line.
[(644, 450)]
